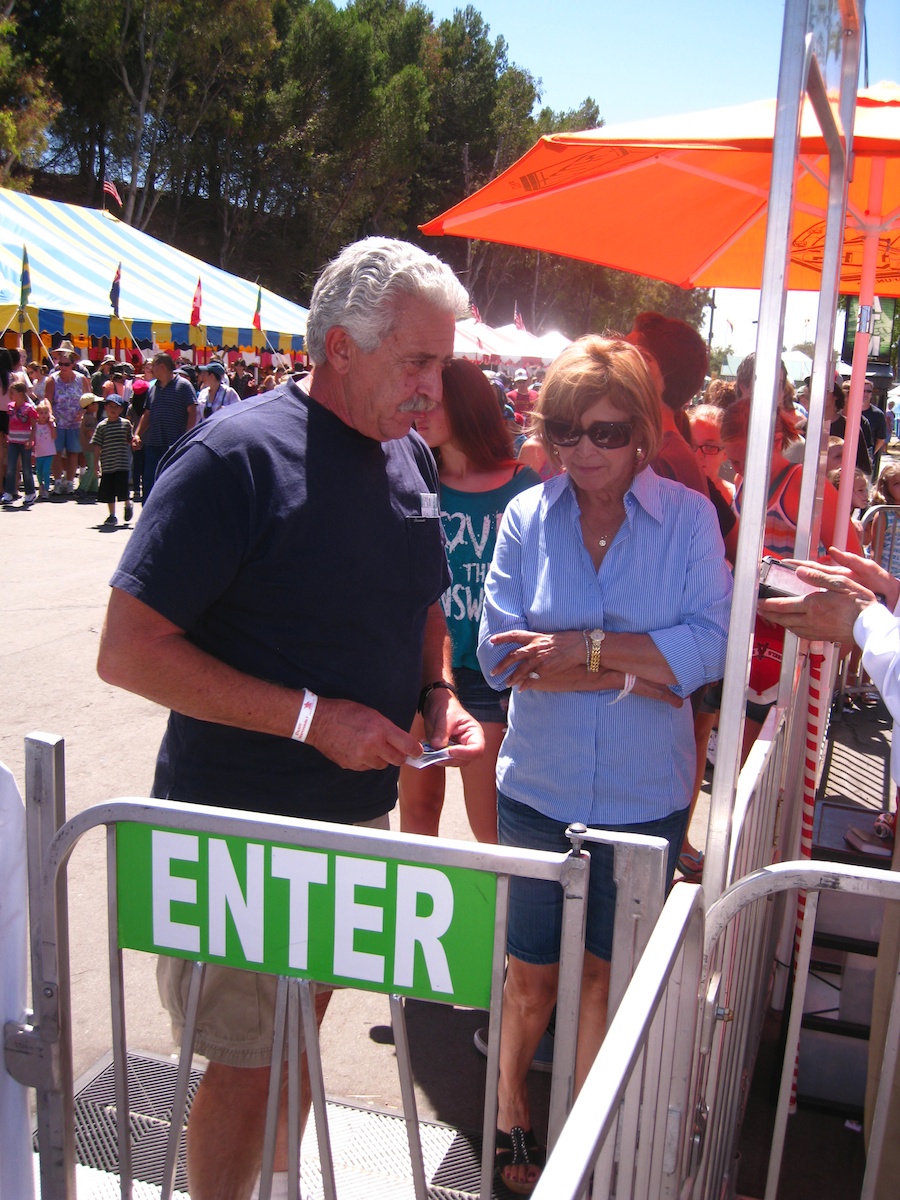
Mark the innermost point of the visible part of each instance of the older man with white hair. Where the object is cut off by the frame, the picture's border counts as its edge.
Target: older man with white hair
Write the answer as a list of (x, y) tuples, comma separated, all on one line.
[(294, 632)]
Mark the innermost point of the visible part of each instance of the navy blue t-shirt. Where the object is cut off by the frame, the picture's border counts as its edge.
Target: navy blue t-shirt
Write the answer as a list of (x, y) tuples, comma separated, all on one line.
[(294, 549), (168, 407)]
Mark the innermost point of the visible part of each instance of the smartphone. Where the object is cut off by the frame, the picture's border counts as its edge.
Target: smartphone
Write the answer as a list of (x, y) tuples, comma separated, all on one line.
[(777, 578)]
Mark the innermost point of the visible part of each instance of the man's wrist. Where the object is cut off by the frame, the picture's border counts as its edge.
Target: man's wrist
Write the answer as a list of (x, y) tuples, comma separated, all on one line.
[(305, 716), (436, 685)]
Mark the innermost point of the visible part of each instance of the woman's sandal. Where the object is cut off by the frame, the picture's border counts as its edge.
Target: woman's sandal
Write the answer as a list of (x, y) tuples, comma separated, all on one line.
[(691, 864), (518, 1148)]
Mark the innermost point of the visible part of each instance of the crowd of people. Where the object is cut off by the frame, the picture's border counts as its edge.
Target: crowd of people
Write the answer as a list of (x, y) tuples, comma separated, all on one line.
[(488, 543), (97, 431)]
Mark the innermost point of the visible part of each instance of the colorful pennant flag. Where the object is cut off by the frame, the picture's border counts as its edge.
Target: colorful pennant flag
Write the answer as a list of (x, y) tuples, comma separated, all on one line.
[(110, 189), (114, 290), (257, 316), (196, 304), (517, 318), (25, 281)]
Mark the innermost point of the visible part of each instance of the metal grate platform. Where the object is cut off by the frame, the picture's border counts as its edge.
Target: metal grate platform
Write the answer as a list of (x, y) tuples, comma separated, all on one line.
[(370, 1148), (858, 756)]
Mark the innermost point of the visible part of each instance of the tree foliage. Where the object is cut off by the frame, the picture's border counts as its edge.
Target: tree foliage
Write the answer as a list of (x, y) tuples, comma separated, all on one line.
[(27, 107), (266, 134)]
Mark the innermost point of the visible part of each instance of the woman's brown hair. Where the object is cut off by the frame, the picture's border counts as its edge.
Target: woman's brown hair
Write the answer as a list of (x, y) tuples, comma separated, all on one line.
[(477, 427), (596, 368)]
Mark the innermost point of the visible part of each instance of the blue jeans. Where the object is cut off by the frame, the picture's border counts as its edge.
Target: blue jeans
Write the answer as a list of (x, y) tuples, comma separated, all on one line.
[(15, 455), (535, 905), (152, 456)]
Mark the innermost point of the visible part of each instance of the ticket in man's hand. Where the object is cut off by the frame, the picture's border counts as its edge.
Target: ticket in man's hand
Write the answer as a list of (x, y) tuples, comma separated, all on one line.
[(429, 757)]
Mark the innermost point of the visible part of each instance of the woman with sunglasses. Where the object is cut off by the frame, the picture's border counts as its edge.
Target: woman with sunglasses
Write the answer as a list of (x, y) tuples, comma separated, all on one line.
[(479, 476), (606, 604), (64, 389)]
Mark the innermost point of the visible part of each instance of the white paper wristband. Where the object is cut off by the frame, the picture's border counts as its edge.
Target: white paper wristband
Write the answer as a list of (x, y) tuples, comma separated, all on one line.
[(305, 716), (630, 681)]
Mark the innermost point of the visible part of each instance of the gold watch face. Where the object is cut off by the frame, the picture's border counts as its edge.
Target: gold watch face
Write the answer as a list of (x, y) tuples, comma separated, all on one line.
[(597, 635)]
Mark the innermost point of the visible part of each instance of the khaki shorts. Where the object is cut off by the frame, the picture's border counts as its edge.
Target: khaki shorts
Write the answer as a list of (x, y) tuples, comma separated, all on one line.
[(236, 1021)]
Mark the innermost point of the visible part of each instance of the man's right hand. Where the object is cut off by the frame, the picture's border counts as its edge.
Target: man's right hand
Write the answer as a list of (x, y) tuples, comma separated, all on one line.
[(358, 738)]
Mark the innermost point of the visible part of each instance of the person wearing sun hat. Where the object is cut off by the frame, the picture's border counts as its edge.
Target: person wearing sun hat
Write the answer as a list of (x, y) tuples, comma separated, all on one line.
[(215, 391), (102, 373), (89, 482)]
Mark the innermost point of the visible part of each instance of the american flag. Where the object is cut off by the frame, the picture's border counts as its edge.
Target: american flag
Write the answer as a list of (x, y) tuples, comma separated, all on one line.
[(517, 318), (111, 190), (196, 303), (475, 313)]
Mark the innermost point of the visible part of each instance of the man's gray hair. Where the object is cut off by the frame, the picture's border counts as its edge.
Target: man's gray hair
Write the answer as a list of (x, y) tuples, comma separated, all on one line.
[(359, 290)]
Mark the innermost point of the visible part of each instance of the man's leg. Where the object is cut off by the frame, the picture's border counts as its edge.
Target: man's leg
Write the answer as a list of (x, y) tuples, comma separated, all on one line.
[(227, 1124)]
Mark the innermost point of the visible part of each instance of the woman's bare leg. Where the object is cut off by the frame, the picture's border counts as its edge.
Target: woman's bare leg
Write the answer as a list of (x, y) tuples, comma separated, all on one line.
[(421, 793), (479, 780), (592, 1017), (528, 998)]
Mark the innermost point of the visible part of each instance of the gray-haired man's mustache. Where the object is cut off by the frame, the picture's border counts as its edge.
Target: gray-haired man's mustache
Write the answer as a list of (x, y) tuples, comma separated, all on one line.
[(418, 404)]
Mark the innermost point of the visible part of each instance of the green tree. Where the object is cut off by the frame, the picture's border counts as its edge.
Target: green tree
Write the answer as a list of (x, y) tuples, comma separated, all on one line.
[(717, 357), (27, 107)]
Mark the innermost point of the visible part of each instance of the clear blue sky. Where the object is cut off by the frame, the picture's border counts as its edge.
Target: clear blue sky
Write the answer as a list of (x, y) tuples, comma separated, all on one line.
[(644, 58)]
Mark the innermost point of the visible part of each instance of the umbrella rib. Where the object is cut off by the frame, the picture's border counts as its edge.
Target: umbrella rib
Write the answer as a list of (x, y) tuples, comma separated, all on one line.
[(727, 244), (734, 185), (867, 224)]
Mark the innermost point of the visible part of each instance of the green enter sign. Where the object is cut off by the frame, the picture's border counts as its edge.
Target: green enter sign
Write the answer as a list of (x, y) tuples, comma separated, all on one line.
[(387, 926)]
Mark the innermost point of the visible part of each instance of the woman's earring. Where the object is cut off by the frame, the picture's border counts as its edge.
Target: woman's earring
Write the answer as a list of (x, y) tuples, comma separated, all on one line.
[(640, 452)]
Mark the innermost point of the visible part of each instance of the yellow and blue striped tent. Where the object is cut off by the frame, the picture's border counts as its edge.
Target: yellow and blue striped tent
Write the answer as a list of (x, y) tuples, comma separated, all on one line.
[(73, 254)]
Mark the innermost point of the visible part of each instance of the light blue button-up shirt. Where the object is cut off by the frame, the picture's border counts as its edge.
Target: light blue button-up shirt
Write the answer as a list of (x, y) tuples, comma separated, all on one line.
[(576, 756)]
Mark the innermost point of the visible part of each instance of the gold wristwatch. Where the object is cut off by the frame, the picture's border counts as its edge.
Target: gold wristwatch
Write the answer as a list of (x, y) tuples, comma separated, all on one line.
[(594, 638)]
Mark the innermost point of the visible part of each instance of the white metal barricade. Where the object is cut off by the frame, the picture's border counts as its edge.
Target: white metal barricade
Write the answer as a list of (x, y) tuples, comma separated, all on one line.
[(652, 1121), (210, 884), (16, 1168)]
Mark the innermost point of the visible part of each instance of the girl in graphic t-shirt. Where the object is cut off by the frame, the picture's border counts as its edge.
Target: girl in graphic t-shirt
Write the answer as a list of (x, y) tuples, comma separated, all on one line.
[(479, 477)]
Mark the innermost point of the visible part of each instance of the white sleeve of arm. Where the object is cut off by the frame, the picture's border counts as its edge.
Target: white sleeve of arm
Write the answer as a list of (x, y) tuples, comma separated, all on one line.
[(877, 632)]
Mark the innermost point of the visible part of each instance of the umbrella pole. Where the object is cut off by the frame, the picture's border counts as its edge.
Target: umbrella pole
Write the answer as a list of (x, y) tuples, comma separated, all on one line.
[(860, 347)]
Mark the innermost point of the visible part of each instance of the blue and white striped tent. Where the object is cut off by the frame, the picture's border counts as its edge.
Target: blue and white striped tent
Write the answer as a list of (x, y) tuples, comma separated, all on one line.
[(73, 255)]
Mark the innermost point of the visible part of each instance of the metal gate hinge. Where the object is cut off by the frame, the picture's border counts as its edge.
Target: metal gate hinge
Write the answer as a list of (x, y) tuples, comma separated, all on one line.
[(698, 1137), (29, 1060)]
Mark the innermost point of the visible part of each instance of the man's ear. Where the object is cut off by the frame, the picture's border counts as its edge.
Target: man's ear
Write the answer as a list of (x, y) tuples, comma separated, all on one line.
[(339, 348)]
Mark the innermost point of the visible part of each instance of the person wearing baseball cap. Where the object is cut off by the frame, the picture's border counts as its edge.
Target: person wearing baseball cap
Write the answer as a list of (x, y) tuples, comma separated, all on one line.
[(215, 392), (522, 397)]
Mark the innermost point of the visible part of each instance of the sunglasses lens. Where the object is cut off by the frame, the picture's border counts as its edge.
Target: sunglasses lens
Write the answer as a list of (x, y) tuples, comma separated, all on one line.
[(610, 435), (561, 434)]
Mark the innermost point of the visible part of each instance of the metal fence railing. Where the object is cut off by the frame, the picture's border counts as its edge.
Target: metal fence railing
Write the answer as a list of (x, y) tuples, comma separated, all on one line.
[(653, 1121), (262, 893)]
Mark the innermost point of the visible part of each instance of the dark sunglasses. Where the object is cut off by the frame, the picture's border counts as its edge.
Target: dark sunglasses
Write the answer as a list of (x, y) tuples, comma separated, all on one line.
[(606, 435), (709, 448)]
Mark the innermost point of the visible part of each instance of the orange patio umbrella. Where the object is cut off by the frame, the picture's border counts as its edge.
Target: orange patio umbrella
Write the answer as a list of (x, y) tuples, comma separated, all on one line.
[(685, 198)]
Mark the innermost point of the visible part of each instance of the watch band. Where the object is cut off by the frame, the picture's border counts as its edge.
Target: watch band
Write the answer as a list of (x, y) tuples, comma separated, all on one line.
[(594, 640), (429, 688)]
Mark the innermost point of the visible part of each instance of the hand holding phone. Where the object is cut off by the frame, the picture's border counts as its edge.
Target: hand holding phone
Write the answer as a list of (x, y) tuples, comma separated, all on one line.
[(777, 578)]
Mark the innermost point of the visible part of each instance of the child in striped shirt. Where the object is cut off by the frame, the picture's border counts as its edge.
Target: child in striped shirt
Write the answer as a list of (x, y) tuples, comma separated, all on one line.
[(113, 439)]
